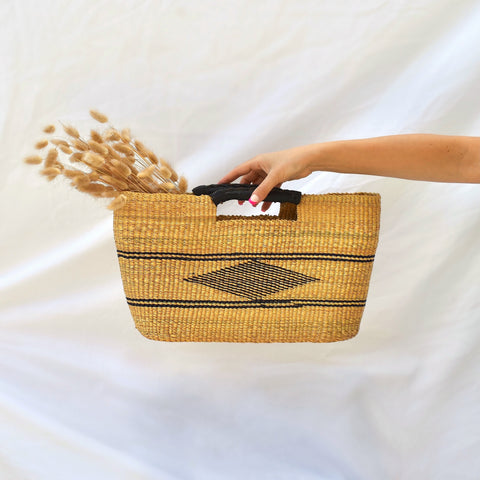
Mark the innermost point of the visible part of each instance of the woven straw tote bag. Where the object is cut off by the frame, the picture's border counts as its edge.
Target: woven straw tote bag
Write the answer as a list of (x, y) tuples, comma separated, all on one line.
[(190, 275)]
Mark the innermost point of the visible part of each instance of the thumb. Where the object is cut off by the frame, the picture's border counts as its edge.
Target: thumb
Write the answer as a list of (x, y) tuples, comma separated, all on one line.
[(262, 191)]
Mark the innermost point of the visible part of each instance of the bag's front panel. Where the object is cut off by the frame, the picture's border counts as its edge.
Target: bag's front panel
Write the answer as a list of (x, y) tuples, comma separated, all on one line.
[(244, 279)]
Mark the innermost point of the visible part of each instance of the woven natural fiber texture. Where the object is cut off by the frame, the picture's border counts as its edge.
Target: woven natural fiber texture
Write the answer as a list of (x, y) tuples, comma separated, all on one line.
[(190, 275)]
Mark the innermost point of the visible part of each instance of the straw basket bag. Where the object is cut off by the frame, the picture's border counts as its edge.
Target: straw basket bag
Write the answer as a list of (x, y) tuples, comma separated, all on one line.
[(190, 275)]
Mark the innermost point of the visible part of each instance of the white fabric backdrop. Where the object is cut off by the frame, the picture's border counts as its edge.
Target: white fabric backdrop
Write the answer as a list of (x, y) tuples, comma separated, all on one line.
[(208, 85)]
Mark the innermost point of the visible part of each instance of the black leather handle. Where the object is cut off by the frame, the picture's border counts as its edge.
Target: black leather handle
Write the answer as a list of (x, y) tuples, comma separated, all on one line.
[(221, 192)]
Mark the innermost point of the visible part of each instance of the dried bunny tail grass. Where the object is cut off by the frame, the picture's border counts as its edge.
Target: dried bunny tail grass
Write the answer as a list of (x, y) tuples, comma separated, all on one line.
[(80, 145), (72, 131), (119, 202), (110, 192), (99, 117), (80, 180), (126, 135), (166, 164), (85, 188), (159, 188), (41, 144), (59, 141), (174, 176), (123, 148), (130, 159), (148, 172), (71, 173), (152, 157), (122, 169), (112, 153), (97, 147), (162, 188), (169, 186), (147, 185), (96, 189), (76, 157), (114, 157), (94, 135), (33, 159), (50, 171), (51, 158), (141, 148), (165, 172), (49, 129), (114, 182), (93, 160), (131, 167), (111, 135), (120, 173), (65, 149), (183, 184)]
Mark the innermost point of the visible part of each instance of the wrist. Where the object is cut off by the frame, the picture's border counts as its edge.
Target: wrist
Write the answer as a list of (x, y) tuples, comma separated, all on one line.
[(321, 156)]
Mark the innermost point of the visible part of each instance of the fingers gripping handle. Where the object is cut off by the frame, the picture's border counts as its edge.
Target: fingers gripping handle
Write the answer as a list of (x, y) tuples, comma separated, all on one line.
[(222, 192)]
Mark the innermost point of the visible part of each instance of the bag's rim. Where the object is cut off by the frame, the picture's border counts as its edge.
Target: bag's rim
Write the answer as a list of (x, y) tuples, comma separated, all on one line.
[(191, 205), (192, 196)]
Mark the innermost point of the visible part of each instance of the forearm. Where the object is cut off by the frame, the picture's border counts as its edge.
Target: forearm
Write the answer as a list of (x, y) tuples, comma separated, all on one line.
[(428, 157)]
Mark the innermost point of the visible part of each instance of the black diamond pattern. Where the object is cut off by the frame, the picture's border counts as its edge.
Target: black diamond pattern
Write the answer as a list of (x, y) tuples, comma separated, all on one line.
[(253, 279)]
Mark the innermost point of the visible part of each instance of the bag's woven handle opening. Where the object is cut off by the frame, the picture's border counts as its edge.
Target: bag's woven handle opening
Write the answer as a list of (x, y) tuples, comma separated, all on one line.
[(222, 192), (287, 211)]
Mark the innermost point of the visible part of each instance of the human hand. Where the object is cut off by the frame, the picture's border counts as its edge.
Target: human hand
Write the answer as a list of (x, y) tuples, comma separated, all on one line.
[(269, 170)]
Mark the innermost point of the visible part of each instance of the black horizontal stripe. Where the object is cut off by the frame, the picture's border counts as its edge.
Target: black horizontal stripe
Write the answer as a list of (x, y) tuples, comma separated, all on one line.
[(258, 303), (246, 256)]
